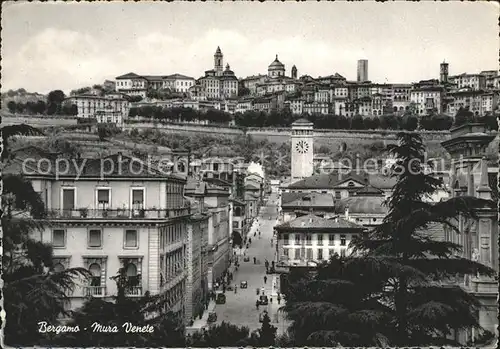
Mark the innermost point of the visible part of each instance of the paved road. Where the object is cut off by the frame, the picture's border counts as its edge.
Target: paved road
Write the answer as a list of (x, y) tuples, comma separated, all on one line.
[(240, 308)]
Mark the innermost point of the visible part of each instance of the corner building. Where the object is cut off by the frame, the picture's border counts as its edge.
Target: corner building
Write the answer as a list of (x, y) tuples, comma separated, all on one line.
[(97, 222)]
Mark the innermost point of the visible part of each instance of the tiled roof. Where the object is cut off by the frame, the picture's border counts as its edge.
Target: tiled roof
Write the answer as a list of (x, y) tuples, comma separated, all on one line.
[(301, 121), (312, 221), (113, 166), (218, 182), (129, 76), (195, 187), (251, 186), (363, 205), (369, 191), (326, 180), (311, 200), (179, 76), (287, 197)]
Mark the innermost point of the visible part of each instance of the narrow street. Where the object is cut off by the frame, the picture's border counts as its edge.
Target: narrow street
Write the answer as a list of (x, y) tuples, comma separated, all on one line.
[(240, 308)]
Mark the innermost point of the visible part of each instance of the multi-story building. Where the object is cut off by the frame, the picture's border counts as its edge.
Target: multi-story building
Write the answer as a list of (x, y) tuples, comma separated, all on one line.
[(240, 223), (401, 97), (251, 82), (138, 85), (427, 99), (214, 201), (244, 105), (176, 83), (470, 176), (467, 99), (296, 105), (112, 108), (219, 83), (111, 210), (197, 268), (470, 81), (310, 239), (132, 84), (316, 108)]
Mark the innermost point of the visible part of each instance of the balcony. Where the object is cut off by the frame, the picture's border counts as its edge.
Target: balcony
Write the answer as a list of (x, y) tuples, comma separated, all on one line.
[(135, 291), (94, 291), (118, 213)]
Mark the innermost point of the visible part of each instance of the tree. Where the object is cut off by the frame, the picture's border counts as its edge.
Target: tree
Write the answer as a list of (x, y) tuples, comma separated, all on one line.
[(54, 101), (423, 311), (223, 335), (33, 289), (167, 327), (394, 290), (357, 122), (463, 116), (410, 123), (40, 107), (12, 106), (267, 333)]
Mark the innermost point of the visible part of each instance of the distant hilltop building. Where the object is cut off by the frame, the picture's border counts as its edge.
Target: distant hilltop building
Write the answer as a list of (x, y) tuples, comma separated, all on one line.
[(219, 88)]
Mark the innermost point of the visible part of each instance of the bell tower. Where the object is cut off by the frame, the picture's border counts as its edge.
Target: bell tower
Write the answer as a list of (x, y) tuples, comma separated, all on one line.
[(443, 73), (302, 149), (294, 72), (218, 62)]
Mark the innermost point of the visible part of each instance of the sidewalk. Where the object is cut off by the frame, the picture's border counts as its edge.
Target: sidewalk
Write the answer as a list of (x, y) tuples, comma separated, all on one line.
[(203, 322)]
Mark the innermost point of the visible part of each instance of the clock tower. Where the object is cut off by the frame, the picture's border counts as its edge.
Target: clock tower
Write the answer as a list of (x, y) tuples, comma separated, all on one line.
[(302, 149)]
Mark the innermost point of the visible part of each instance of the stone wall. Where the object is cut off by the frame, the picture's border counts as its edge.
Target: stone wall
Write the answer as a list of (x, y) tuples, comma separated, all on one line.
[(38, 121), (331, 138)]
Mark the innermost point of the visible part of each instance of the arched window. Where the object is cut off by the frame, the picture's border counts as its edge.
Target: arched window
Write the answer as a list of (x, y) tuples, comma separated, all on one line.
[(95, 271), (131, 270), (58, 267), (351, 184)]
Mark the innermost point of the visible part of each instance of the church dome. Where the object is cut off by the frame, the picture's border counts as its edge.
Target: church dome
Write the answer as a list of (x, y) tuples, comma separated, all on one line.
[(276, 65)]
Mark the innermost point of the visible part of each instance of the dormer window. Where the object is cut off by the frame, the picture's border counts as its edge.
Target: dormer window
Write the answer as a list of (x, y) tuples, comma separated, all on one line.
[(350, 184)]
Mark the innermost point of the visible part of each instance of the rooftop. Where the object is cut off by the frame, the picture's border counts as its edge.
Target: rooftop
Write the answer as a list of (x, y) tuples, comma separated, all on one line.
[(312, 221)]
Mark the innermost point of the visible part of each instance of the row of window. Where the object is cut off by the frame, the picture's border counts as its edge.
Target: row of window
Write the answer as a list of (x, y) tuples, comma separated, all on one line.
[(319, 239), (171, 234), (102, 198), (95, 238), (300, 253)]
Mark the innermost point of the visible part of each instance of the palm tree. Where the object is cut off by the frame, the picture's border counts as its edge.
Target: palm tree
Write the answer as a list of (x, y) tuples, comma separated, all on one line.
[(397, 276), (33, 290)]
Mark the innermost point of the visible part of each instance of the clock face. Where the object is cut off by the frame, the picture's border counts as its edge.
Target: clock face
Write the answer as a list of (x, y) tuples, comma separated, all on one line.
[(302, 147)]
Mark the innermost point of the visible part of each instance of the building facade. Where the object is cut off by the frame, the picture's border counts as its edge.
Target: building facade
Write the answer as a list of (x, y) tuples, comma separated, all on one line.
[(98, 222), (113, 108)]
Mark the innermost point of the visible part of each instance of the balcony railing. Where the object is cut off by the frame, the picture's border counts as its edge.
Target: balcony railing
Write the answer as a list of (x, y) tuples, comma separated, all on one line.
[(135, 291), (118, 213), (94, 291)]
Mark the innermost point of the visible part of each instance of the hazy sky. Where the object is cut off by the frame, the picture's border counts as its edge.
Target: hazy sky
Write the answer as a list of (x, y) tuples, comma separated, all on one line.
[(68, 45)]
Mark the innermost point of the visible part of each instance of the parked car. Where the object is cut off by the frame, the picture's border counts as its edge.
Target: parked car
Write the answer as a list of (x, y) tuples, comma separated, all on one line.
[(212, 317), (243, 284), (246, 259), (220, 298)]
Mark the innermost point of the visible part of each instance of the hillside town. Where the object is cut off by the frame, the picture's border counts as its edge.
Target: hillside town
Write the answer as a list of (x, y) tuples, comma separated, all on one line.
[(274, 210)]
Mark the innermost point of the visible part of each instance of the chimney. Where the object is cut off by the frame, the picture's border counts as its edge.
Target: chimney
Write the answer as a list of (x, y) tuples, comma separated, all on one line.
[(347, 213), (484, 190)]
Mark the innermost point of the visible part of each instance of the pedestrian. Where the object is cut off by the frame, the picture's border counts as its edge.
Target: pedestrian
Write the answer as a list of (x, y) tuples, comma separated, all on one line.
[(254, 260), (279, 299), (257, 303), (265, 279), (235, 289), (271, 300)]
